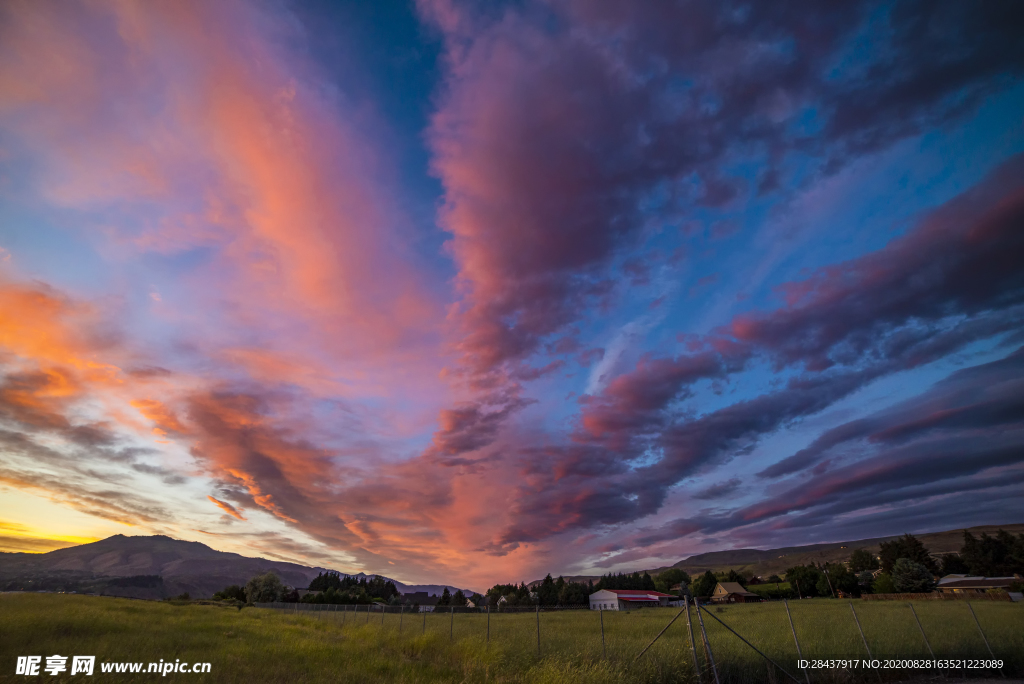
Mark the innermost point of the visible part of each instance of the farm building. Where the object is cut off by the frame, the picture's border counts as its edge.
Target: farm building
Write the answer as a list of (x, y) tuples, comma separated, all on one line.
[(732, 592), (968, 584), (627, 599)]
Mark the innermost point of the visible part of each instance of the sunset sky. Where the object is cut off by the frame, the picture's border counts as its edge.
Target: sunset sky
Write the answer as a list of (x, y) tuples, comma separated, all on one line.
[(471, 292)]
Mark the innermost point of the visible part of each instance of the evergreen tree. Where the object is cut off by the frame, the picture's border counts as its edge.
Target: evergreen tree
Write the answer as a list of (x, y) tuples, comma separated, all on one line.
[(446, 598), (547, 592), (734, 576), (911, 577), (952, 564), (861, 560), (705, 584), (459, 599), (908, 546), (998, 556)]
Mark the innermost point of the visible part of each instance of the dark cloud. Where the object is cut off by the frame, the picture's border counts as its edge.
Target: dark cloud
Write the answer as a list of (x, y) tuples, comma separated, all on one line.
[(980, 397), (877, 303), (558, 120), (719, 489), (475, 425), (913, 302)]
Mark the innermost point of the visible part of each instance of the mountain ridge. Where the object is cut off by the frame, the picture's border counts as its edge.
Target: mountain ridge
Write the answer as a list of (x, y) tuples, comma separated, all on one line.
[(765, 562), (183, 566)]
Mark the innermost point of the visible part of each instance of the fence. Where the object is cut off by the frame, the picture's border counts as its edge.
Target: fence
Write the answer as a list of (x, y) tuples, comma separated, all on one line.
[(940, 596), (726, 643)]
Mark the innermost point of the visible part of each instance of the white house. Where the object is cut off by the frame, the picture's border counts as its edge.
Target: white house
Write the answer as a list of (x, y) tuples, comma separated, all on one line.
[(627, 599)]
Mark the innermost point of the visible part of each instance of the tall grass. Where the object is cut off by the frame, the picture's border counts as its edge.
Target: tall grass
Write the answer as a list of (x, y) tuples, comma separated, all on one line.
[(259, 645)]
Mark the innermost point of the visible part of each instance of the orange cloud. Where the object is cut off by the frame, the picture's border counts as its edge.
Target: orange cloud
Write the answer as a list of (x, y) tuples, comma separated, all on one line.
[(163, 418), (226, 507)]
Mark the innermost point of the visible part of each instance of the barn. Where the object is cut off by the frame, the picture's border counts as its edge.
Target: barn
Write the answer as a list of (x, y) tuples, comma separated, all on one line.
[(627, 599)]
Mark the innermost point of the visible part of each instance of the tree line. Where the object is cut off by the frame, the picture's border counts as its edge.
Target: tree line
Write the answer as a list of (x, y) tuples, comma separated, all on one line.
[(905, 566), (562, 592)]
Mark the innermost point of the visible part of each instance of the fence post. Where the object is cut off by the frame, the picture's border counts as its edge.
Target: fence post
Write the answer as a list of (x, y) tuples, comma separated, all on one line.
[(343, 612), (663, 630), (862, 638), (756, 649), (424, 622), (368, 614), (925, 637), (799, 655), (693, 644), (383, 609), (707, 644), (401, 614), (538, 629), (451, 626), (604, 651), (983, 637), (488, 623)]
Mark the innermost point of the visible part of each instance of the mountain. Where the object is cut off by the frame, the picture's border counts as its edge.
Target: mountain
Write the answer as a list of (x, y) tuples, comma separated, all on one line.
[(153, 567), (766, 562), (775, 561)]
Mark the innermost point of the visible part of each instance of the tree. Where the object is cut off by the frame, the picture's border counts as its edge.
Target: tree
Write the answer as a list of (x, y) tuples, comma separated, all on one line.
[(446, 598), (705, 584), (232, 593), (861, 560), (459, 599), (547, 592), (843, 579), (774, 578), (664, 581), (804, 580), (883, 585), (908, 546), (824, 586), (734, 576), (953, 564), (998, 556), (264, 588), (911, 577), (325, 581)]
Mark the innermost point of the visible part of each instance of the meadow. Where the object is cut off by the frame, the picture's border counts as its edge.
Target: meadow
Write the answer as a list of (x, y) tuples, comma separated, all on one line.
[(262, 645)]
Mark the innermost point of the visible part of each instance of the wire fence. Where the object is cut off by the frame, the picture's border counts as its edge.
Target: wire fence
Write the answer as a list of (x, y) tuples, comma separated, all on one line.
[(782, 641)]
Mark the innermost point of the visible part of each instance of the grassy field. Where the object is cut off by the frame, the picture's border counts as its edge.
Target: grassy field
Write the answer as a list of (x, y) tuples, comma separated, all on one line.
[(260, 645)]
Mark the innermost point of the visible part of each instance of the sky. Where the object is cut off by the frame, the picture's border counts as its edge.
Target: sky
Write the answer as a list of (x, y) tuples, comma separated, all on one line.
[(467, 293)]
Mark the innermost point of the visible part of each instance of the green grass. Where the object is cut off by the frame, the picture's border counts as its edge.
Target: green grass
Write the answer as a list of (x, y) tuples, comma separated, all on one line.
[(259, 645)]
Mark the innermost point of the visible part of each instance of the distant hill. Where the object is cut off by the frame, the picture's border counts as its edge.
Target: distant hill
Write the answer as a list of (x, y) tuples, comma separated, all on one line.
[(766, 562), (775, 561), (159, 567)]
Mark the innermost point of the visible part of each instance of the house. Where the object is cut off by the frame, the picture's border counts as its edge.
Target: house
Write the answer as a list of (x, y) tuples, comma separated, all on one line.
[(627, 599), (968, 584), (733, 592), (421, 598)]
